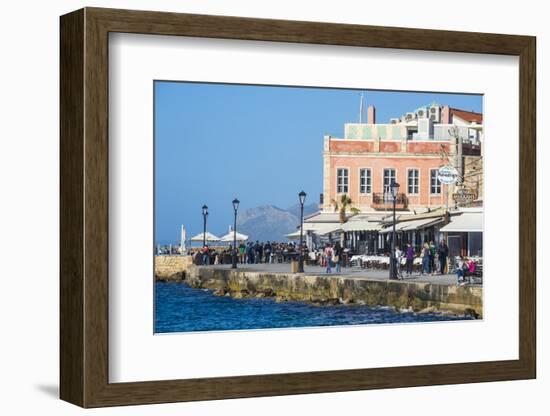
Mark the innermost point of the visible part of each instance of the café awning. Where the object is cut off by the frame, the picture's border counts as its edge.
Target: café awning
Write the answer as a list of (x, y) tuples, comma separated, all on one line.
[(318, 228), (413, 225), (361, 226), (466, 222)]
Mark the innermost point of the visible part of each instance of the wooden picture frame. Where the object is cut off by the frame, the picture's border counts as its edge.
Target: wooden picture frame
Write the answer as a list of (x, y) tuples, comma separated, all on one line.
[(84, 207)]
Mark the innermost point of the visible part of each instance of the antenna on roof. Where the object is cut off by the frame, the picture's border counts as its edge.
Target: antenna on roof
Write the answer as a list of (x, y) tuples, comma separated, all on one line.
[(361, 109)]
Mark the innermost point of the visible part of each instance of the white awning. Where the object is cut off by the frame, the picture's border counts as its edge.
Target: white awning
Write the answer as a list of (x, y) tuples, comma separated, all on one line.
[(315, 228), (466, 222), (209, 237), (228, 238), (295, 235), (361, 226), (398, 227), (328, 228), (413, 225), (326, 217)]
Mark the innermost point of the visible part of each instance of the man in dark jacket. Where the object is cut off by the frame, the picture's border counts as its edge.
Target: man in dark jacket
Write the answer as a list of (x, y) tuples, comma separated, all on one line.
[(443, 253)]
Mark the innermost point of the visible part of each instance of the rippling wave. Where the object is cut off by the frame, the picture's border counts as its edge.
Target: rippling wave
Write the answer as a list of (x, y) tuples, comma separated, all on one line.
[(179, 308)]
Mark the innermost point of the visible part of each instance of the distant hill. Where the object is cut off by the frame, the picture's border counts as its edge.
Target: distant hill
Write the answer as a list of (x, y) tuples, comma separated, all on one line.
[(270, 223), (308, 210)]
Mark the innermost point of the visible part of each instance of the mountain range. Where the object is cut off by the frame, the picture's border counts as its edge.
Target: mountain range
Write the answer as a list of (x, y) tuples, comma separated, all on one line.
[(271, 223)]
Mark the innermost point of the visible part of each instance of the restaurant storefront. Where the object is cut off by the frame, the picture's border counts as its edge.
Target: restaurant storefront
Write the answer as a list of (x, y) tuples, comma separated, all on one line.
[(464, 234)]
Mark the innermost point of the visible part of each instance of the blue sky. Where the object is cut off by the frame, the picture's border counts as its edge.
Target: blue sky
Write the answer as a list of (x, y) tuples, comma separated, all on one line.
[(261, 144)]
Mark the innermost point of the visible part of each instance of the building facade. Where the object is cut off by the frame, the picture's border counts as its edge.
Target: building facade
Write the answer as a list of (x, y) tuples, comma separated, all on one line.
[(409, 150)]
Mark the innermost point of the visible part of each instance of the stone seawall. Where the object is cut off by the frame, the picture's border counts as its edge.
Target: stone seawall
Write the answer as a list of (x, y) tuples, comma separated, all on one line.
[(323, 289), (171, 268)]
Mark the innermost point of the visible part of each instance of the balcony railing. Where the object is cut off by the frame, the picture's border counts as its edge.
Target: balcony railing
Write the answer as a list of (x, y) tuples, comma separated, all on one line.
[(384, 200)]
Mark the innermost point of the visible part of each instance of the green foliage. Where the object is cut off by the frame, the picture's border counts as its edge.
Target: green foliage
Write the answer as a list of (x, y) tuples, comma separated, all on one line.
[(343, 206)]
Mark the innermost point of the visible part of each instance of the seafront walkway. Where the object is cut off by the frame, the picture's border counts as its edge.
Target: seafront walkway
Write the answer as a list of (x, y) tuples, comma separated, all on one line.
[(353, 285), (348, 272)]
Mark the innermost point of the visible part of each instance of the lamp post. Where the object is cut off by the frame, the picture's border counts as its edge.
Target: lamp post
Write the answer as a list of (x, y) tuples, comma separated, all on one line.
[(302, 197), (394, 189), (204, 215), (235, 208)]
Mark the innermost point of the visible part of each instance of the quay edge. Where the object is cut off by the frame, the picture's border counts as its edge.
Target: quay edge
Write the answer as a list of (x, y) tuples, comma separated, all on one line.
[(322, 289)]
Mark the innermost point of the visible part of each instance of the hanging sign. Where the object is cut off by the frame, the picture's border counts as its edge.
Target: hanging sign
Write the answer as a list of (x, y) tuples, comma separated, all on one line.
[(464, 196), (447, 175)]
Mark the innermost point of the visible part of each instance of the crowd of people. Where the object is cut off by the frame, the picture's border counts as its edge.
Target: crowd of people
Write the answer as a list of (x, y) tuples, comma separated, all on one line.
[(465, 268), (268, 252), (434, 258), (251, 253), (329, 257), (434, 261)]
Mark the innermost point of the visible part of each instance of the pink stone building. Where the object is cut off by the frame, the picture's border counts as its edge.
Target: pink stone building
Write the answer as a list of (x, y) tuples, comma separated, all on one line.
[(408, 150)]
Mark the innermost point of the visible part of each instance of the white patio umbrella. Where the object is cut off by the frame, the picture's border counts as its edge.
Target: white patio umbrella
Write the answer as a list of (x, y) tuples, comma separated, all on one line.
[(228, 238), (209, 237)]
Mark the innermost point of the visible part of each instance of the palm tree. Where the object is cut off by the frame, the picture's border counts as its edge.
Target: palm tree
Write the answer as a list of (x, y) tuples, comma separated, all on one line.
[(342, 208)]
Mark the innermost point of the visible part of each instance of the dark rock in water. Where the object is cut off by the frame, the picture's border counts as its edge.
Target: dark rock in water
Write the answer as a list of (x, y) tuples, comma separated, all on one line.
[(326, 302), (243, 293), (471, 313), (268, 293)]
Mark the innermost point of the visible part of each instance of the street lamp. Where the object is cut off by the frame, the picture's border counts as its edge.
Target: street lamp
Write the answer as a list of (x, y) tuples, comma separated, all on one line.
[(235, 208), (394, 189), (204, 215), (302, 197)]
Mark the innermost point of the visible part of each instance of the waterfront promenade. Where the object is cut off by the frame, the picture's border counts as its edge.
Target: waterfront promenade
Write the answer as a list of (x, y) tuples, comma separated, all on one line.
[(348, 272), (351, 286)]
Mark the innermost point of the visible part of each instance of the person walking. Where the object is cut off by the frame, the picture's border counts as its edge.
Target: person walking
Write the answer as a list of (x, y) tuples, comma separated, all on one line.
[(250, 253), (328, 258), (432, 257), (267, 253), (398, 254), (256, 252), (443, 253), (426, 259), (338, 257), (205, 255), (241, 253), (410, 258)]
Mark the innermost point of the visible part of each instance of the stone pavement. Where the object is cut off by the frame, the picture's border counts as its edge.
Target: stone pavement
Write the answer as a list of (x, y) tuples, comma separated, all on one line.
[(348, 272)]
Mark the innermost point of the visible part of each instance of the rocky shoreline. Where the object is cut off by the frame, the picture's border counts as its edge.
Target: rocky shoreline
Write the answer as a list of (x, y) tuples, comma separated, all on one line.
[(245, 293), (325, 290)]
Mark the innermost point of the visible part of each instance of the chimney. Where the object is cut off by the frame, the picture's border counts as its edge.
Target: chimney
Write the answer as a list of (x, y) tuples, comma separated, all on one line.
[(371, 115), (446, 115)]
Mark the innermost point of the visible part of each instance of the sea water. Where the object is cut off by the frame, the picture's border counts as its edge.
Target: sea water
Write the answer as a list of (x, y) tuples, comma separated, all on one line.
[(179, 308)]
